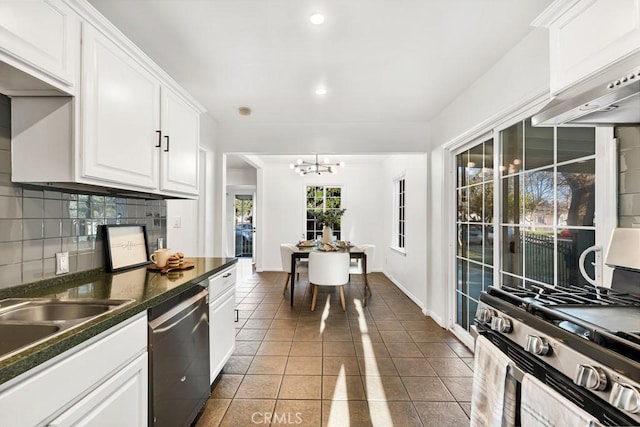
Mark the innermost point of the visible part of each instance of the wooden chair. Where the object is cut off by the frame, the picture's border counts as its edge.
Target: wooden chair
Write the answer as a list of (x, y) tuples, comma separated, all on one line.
[(355, 267), (328, 269), (286, 249)]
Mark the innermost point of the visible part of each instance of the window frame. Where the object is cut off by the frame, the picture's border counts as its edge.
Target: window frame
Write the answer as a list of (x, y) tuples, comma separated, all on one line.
[(399, 230), (336, 231)]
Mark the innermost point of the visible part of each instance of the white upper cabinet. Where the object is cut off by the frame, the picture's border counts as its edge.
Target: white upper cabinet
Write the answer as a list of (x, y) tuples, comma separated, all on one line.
[(129, 127), (180, 144), (120, 114), (39, 44), (589, 36)]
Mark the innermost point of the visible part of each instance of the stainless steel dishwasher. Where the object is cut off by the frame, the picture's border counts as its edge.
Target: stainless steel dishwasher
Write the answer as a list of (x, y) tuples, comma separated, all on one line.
[(179, 358)]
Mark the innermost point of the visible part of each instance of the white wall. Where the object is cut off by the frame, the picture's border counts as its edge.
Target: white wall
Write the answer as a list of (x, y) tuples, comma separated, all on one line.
[(515, 81), (283, 204), (241, 176), (185, 238), (367, 196), (409, 270)]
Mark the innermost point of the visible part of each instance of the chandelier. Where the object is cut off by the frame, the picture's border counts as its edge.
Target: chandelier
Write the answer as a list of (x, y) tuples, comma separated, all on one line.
[(303, 167)]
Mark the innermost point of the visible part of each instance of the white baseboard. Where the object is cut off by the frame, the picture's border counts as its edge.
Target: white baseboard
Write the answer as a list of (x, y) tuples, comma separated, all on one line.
[(464, 336), (409, 294)]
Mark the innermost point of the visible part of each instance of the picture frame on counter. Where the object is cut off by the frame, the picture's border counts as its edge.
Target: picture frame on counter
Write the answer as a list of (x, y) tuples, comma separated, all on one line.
[(126, 246)]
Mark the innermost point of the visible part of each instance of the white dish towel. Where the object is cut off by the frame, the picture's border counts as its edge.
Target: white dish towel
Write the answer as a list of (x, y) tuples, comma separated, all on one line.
[(541, 406), (493, 397)]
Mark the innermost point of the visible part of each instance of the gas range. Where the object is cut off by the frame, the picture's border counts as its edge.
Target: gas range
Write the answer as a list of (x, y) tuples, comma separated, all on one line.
[(584, 341)]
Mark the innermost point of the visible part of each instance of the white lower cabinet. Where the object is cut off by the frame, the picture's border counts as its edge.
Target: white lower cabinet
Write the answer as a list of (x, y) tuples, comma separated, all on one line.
[(101, 382), (222, 331), (119, 401)]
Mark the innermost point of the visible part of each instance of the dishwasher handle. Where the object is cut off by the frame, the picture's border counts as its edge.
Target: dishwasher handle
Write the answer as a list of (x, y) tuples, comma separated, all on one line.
[(185, 305)]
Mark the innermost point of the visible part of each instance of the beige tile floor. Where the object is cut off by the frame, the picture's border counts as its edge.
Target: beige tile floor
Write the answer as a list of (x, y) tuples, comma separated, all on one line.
[(385, 364)]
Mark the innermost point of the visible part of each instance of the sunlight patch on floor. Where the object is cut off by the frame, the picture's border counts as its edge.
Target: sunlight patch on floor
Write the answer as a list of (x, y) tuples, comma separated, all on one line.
[(372, 378), (339, 414)]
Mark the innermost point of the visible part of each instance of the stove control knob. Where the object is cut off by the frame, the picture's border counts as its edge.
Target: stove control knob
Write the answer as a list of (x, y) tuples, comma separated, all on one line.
[(537, 345), (484, 315), (625, 397), (590, 377), (501, 324)]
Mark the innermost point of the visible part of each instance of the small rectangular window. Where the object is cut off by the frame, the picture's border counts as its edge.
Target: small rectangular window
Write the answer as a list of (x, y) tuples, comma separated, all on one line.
[(400, 213)]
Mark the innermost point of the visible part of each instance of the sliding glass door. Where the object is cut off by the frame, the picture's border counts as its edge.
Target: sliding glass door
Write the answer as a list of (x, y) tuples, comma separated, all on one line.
[(474, 228)]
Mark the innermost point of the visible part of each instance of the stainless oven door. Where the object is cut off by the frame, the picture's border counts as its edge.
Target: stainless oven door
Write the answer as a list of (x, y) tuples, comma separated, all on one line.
[(179, 359), (526, 363)]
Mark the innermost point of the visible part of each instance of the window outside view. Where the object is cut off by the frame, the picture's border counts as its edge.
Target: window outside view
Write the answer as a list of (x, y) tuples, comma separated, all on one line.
[(324, 198)]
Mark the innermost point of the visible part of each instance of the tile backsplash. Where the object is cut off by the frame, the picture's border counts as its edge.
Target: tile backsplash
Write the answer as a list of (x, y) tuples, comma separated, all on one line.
[(37, 222)]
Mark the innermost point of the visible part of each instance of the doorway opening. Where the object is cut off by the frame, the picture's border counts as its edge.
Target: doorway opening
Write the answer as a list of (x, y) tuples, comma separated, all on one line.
[(244, 225)]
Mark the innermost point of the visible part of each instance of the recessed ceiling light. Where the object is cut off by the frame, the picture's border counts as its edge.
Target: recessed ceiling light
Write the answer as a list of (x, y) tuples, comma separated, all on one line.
[(321, 91), (317, 19), (244, 111)]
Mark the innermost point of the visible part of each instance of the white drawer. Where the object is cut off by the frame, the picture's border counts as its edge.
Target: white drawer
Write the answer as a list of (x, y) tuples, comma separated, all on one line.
[(221, 282)]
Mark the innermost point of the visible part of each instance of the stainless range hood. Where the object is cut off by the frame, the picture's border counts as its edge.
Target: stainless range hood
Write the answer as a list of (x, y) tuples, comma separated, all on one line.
[(605, 103)]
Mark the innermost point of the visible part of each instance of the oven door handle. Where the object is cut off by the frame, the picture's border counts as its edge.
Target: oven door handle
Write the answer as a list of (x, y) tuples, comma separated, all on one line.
[(597, 250)]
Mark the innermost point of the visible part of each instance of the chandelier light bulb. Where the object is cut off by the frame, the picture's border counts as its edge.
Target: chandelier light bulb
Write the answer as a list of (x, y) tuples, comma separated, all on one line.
[(318, 166), (291, 166)]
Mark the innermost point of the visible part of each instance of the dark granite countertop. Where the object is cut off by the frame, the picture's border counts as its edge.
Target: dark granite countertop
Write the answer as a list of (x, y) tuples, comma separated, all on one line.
[(147, 288)]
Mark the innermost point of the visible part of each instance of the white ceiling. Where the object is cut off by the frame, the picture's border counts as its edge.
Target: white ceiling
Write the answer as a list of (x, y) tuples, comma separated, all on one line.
[(380, 60)]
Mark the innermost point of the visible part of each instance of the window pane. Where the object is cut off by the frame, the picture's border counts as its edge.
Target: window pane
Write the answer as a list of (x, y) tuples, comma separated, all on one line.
[(463, 271), (539, 252), (576, 193), (462, 161), (475, 280), (511, 280), (488, 160), (511, 202), (488, 203), (574, 143), (461, 241), (538, 197), (463, 206), (475, 203), (571, 243), (475, 164), (511, 250), (488, 277), (538, 143), (487, 241), (511, 159), (475, 243)]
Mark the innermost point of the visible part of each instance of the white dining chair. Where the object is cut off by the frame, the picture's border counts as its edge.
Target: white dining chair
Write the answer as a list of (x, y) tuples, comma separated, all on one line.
[(302, 265), (355, 267), (328, 269)]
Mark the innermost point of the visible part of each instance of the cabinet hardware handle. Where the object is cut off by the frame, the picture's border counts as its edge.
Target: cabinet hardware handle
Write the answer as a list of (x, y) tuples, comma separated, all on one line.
[(159, 132), (226, 275), (166, 150), (237, 312)]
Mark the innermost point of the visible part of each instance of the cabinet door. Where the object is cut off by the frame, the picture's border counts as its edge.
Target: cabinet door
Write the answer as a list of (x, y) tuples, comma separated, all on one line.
[(222, 331), (120, 115), (40, 38), (180, 144), (591, 36), (120, 401)]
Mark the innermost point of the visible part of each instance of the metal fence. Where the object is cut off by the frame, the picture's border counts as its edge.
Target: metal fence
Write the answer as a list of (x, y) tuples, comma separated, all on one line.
[(539, 259)]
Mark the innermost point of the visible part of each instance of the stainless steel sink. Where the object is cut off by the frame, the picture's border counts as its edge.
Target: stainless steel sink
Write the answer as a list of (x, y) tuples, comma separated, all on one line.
[(15, 336), (27, 322), (54, 311)]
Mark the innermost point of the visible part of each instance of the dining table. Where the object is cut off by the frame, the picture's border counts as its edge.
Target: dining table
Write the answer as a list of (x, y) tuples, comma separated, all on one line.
[(302, 251)]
